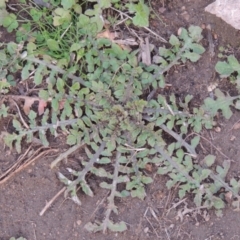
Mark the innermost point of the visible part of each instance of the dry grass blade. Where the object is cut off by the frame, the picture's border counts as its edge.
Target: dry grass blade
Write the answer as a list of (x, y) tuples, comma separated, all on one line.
[(175, 205), (20, 114), (15, 165), (48, 204), (155, 231), (15, 168)]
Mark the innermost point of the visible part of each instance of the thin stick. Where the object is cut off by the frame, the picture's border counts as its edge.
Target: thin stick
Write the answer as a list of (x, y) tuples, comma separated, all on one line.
[(15, 164), (234, 125), (34, 232), (20, 114), (28, 162), (65, 31), (175, 205), (101, 202), (167, 234), (65, 154), (51, 201), (146, 28), (34, 159), (152, 227)]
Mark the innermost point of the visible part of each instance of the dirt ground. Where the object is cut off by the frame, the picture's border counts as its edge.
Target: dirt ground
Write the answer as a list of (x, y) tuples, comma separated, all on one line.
[(26, 193)]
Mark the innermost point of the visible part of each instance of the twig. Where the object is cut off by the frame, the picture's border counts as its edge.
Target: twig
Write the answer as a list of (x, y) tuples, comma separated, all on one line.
[(146, 28), (154, 214), (20, 114), (175, 205), (150, 5), (34, 232), (101, 202), (152, 227), (66, 154), (27, 163), (235, 124), (51, 201), (65, 32), (15, 164), (167, 234), (169, 108)]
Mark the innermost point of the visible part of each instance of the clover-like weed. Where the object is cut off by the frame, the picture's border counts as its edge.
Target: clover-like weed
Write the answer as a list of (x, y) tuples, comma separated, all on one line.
[(98, 100)]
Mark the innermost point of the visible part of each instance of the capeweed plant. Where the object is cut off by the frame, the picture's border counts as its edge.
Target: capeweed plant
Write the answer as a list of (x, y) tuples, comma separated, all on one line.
[(98, 100), (230, 69)]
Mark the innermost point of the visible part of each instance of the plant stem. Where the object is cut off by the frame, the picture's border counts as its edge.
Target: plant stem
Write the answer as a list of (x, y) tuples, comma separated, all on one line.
[(87, 167), (179, 139), (65, 154), (176, 165), (111, 204), (57, 69)]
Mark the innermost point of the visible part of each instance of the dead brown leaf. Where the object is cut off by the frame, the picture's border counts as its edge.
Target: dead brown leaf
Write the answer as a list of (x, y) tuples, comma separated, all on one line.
[(28, 102), (148, 167), (41, 106), (228, 197), (146, 52), (123, 43), (236, 126), (107, 34)]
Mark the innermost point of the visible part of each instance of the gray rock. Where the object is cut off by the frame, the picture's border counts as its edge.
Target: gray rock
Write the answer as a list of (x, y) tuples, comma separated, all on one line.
[(228, 10)]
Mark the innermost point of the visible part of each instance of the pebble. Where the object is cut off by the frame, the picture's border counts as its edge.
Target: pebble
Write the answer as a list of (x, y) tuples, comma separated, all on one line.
[(79, 222)]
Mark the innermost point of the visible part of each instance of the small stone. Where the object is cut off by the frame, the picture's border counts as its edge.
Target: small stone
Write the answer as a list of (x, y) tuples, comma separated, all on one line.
[(171, 226), (162, 9), (232, 138), (217, 129), (146, 229), (185, 16), (79, 222)]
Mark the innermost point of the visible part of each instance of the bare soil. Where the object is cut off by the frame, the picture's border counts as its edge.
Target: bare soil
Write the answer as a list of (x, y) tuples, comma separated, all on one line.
[(24, 195)]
